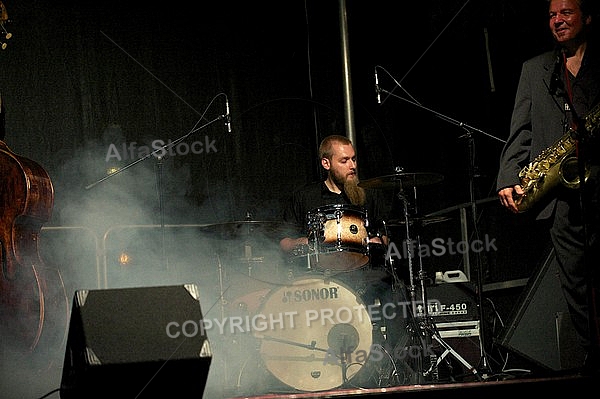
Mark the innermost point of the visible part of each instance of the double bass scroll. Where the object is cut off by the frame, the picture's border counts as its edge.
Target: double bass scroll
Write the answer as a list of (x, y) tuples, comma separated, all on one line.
[(3, 21)]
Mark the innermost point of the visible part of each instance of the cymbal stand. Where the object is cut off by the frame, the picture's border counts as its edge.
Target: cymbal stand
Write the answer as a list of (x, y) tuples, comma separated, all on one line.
[(222, 305), (431, 333), (424, 326), (483, 360), (409, 248), (483, 363), (416, 329)]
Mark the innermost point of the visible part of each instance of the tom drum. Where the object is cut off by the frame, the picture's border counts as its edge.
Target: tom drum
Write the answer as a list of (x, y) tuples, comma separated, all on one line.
[(337, 238)]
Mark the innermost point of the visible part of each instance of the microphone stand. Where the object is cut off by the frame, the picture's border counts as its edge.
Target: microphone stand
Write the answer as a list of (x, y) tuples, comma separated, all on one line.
[(161, 211), (162, 150), (153, 153), (442, 116), (484, 364)]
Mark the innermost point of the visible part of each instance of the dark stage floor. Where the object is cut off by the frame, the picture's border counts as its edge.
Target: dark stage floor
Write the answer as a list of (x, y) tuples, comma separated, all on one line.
[(464, 384), (540, 387), (370, 383)]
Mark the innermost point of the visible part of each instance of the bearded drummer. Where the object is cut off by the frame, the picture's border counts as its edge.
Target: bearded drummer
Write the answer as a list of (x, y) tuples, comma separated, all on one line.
[(339, 188)]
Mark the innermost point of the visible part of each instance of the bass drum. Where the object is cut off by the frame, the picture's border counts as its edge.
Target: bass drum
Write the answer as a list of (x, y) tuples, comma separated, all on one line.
[(317, 334)]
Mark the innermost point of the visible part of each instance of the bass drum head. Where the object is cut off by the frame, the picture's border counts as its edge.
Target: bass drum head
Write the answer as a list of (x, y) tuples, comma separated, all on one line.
[(313, 330)]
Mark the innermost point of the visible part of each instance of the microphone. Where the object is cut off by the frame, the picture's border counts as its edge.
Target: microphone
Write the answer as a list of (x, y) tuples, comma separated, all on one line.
[(227, 115), (377, 89)]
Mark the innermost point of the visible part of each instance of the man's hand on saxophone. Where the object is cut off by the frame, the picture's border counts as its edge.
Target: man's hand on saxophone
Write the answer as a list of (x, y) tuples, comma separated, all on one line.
[(508, 195)]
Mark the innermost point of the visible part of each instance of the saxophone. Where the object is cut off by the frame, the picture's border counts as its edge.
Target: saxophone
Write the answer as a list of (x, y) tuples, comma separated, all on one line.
[(555, 165)]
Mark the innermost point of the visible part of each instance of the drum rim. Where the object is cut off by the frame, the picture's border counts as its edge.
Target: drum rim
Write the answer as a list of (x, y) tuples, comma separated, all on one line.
[(357, 208)]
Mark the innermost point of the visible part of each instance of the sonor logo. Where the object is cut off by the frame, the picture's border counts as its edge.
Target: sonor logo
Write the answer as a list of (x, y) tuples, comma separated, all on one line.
[(313, 294)]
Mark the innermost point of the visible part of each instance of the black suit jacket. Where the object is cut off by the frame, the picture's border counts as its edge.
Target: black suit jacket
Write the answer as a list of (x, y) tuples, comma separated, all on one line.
[(538, 120)]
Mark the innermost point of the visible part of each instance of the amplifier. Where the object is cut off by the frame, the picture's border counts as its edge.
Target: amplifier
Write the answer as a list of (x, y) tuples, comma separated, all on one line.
[(463, 337), (458, 329), (451, 302)]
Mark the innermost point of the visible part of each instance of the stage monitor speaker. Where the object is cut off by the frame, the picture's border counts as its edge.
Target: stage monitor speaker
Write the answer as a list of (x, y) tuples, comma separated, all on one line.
[(136, 343), (540, 329)]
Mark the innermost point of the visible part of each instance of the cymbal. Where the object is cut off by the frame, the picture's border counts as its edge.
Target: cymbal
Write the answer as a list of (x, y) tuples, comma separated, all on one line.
[(464, 205), (247, 227), (422, 221), (402, 180)]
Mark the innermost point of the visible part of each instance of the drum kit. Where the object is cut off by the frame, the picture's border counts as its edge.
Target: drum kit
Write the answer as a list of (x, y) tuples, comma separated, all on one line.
[(321, 325)]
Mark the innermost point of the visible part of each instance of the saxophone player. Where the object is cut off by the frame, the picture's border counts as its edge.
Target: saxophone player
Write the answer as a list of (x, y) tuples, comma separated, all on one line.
[(556, 90)]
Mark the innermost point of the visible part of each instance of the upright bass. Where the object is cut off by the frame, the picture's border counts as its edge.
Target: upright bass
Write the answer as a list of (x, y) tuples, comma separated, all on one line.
[(33, 303), (27, 291)]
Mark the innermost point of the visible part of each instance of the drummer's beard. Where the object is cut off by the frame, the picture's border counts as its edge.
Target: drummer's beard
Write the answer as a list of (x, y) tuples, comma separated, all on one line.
[(355, 194)]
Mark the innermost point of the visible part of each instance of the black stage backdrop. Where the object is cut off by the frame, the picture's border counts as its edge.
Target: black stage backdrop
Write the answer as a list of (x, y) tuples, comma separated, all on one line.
[(82, 81)]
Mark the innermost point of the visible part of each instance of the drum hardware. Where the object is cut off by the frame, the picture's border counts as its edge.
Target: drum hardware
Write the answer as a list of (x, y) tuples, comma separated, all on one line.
[(429, 333), (423, 327), (315, 224), (418, 221), (312, 346), (249, 259), (250, 248), (407, 230), (222, 305), (222, 288), (399, 181), (468, 136)]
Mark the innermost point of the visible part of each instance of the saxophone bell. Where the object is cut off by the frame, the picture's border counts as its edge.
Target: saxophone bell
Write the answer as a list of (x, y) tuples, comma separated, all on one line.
[(569, 172), (556, 165)]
